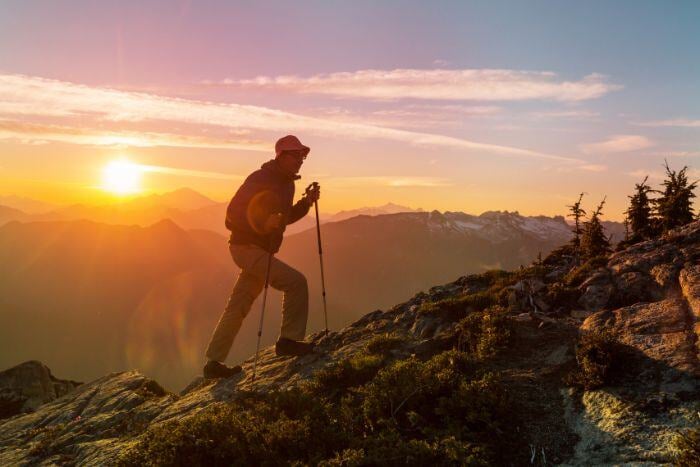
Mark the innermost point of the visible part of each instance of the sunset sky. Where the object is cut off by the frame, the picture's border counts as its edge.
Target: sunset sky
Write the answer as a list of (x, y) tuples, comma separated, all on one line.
[(462, 106)]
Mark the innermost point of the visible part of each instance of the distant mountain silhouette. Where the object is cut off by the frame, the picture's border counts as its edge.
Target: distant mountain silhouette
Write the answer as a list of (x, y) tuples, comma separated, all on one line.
[(89, 298), (8, 214), (374, 261), (86, 297), (27, 205)]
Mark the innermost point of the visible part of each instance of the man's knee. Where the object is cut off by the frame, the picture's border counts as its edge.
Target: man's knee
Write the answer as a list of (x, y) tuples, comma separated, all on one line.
[(241, 299), (299, 281)]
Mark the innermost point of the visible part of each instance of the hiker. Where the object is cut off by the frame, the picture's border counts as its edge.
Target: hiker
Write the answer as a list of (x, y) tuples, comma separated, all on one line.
[(257, 217)]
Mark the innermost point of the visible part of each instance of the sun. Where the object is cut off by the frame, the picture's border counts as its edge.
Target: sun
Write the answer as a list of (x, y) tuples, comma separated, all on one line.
[(122, 177)]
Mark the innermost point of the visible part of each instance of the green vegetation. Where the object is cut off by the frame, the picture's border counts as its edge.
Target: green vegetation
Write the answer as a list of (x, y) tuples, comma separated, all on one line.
[(594, 242), (559, 295), (483, 335), (598, 358), (384, 344), (687, 446), (577, 275), (365, 410), (493, 292)]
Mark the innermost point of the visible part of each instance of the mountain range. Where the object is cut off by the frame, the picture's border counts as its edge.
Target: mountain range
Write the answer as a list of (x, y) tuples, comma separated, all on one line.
[(87, 297), (187, 208)]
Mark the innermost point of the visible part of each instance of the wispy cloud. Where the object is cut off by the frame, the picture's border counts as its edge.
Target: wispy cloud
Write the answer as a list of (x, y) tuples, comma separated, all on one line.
[(618, 143), (680, 154), (659, 175), (39, 133), (414, 116), (571, 114), (395, 181), (48, 97), (678, 122), (439, 84), (187, 172)]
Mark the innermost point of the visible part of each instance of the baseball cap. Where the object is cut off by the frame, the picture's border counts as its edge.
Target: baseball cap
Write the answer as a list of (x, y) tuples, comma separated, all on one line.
[(290, 143)]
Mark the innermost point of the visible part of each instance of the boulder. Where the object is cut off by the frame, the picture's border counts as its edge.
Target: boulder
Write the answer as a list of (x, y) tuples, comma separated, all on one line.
[(632, 287), (23, 388), (596, 296), (658, 330)]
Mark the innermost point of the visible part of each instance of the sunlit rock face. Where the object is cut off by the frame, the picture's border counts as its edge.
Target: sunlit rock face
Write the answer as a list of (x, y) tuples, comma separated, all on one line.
[(25, 387), (650, 307)]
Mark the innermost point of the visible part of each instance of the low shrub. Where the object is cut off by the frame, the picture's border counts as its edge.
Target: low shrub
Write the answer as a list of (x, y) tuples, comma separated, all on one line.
[(484, 334), (559, 295), (687, 447), (437, 412), (383, 344), (598, 357), (577, 275), (334, 380)]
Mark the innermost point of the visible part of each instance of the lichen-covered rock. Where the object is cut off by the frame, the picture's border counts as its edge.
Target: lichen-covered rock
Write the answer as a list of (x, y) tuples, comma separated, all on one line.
[(596, 296), (25, 387), (616, 429), (660, 330), (633, 286), (85, 423)]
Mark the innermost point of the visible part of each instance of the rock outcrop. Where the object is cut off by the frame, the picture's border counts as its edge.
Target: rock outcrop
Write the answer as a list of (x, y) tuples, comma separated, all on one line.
[(647, 297), (25, 387)]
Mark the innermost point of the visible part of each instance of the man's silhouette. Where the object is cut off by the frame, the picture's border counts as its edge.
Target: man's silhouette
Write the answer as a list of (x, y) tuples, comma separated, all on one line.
[(257, 216)]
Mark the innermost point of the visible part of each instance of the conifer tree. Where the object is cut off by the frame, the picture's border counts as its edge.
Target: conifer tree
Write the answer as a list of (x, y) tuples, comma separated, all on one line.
[(674, 207), (577, 212), (593, 239), (639, 213)]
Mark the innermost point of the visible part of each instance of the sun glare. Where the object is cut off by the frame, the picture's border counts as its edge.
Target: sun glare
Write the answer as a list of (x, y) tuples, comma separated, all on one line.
[(122, 177)]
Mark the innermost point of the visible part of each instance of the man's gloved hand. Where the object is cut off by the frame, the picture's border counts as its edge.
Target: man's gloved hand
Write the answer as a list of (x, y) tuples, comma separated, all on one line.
[(273, 222), (312, 193)]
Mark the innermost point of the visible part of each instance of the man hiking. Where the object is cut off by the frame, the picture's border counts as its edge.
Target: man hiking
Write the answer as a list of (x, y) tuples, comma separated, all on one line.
[(257, 217)]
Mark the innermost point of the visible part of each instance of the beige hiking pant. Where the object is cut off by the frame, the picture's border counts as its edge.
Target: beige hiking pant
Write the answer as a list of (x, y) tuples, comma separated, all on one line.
[(253, 263)]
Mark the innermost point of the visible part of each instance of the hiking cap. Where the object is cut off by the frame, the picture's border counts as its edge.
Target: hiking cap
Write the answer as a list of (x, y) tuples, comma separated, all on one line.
[(290, 143)]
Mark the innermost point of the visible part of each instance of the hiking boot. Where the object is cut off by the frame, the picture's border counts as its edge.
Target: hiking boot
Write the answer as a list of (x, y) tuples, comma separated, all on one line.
[(286, 346), (215, 370)]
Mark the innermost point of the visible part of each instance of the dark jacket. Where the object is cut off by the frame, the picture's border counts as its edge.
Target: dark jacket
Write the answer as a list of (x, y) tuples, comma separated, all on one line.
[(266, 191)]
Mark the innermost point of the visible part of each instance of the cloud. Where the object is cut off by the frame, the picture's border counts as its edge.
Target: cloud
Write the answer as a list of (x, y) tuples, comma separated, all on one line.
[(395, 181), (618, 143), (679, 122), (37, 133), (658, 175), (187, 172), (47, 97), (653, 175), (594, 167), (674, 154), (575, 168), (415, 116), (439, 84), (582, 114)]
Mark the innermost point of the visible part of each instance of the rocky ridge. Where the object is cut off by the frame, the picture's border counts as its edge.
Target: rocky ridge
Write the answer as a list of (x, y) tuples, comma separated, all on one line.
[(646, 296)]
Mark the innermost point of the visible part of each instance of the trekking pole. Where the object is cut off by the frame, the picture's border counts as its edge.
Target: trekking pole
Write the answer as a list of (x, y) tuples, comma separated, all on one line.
[(320, 256), (262, 314)]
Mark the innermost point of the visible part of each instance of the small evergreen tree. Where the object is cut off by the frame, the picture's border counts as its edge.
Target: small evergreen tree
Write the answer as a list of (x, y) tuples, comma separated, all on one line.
[(593, 240), (577, 212), (674, 207), (639, 213)]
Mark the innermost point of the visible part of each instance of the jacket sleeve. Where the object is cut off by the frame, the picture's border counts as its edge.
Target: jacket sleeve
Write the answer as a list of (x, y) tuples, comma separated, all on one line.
[(299, 210)]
